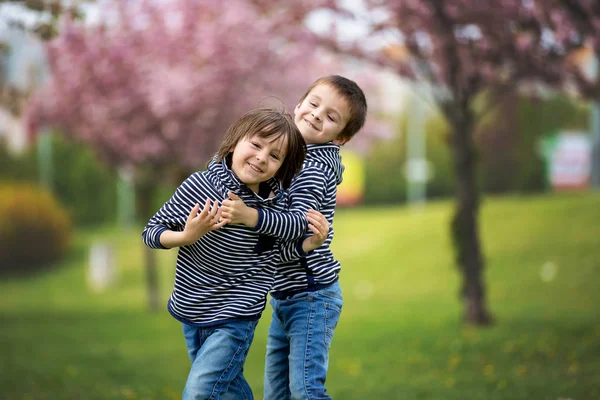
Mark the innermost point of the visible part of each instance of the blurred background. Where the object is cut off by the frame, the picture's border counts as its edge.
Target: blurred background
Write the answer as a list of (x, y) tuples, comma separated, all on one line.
[(468, 222)]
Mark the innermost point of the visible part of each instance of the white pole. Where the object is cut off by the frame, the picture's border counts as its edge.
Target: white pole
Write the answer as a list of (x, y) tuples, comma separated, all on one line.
[(595, 129), (44, 145), (416, 162), (595, 141), (125, 197)]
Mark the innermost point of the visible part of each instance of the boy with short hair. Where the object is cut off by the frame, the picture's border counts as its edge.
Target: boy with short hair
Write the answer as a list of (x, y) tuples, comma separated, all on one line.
[(306, 296), (223, 272)]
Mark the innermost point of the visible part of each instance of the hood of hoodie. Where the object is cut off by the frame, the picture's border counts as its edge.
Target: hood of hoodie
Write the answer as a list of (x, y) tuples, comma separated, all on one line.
[(233, 184), (327, 154)]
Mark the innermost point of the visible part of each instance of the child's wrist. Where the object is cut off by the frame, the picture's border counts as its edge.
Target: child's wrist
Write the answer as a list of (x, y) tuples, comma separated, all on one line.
[(307, 246), (251, 217), (185, 238)]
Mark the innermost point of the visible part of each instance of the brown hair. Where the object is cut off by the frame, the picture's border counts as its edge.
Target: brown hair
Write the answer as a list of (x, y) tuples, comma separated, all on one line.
[(269, 123), (355, 97)]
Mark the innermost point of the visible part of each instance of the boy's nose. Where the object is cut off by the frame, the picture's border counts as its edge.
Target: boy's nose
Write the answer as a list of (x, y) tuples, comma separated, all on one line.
[(260, 156), (316, 115)]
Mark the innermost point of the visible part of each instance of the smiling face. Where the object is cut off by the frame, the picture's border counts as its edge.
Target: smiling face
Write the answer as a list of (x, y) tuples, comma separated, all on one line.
[(322, 115), (257, 159)]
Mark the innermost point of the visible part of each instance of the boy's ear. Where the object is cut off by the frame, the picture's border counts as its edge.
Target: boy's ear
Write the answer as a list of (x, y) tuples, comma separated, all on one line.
[(340, 141)]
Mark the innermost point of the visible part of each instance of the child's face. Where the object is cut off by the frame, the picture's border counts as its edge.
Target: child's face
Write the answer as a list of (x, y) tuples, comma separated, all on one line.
[(322, 115), (256, 159)]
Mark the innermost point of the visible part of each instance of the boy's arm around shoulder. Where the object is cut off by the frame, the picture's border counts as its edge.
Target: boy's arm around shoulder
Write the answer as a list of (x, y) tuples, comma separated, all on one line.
[(308, 192), (300, 248)]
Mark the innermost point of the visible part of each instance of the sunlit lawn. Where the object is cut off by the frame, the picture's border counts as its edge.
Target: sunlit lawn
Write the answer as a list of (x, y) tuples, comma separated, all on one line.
[(400, 336)]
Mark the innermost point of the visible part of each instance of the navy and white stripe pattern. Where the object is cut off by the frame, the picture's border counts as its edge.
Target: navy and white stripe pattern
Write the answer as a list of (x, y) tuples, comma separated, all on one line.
[(314, 187), (227, 273)]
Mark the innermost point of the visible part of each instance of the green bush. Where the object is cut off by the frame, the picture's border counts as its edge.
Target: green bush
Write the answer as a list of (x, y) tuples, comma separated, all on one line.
[(85, 186), (34, 228), (536, 120), (385, 165), (507, 140), (385, 181), (21, 167)]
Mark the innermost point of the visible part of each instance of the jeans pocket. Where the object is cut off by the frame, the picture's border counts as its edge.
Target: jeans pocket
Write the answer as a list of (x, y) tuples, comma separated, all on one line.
[(332, 316)]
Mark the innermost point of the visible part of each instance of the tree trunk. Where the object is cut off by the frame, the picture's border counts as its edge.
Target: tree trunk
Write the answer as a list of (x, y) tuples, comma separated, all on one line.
[(144, 193), (465, 233)]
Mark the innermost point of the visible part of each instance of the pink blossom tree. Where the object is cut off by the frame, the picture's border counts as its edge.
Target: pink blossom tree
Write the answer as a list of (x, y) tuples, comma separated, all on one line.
[(574, 29), (468, 52), (155, 87)]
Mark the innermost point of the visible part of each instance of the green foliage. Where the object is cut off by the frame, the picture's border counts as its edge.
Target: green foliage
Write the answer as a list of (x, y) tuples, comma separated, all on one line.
[(399, 336), (440, 156), (86, 187), (13, 167), (537, 119), (385, 165), (385, 181), (34, 228), (507, 140)]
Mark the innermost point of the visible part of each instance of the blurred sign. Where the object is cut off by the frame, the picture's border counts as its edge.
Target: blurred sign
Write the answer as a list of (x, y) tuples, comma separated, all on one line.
[(568, 160), (101, 273), (351, 191)]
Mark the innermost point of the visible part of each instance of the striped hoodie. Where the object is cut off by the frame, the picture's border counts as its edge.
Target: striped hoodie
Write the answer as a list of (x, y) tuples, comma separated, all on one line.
[(314, 187), (226, 274)]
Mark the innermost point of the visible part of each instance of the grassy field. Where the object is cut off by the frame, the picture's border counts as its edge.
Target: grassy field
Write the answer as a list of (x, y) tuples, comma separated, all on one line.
[(400, 335)]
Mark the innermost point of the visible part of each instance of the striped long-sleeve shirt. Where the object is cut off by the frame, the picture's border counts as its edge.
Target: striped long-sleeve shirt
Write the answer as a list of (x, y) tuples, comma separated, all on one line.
[(227, 273), (314, 187)]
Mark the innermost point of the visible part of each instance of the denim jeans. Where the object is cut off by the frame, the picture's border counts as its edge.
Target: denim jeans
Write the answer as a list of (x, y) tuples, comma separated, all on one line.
[(298, 344), (218, 354)]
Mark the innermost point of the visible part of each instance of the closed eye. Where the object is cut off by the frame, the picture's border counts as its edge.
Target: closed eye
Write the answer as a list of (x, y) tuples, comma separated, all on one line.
[(331, 118), (275, 156), (255, 144)]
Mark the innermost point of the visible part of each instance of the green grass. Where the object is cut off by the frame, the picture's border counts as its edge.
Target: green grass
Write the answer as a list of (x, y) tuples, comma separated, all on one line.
[(400, 335)]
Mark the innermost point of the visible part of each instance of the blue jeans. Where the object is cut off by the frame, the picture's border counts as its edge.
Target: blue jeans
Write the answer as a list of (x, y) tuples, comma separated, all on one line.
[(298, 344), (218, 354)]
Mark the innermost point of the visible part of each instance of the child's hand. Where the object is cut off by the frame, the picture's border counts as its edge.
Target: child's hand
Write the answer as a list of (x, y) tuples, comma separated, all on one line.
[(237, 212), (319, 226), (197, 225)]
